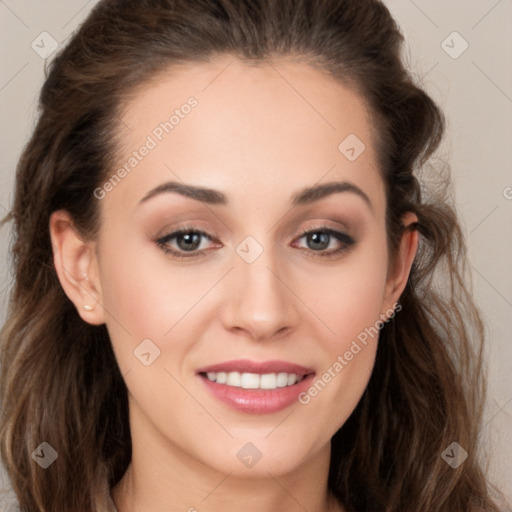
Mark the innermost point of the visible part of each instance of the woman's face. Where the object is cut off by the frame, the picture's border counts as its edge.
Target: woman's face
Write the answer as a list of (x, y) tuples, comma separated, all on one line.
[(212, 328)]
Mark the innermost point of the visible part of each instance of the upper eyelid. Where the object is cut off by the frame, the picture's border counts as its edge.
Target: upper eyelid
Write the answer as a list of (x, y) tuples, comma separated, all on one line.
[(188, 229)]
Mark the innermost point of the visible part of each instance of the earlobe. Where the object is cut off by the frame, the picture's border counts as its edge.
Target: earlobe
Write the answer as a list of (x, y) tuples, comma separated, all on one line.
[(408, 247), (76, 267)]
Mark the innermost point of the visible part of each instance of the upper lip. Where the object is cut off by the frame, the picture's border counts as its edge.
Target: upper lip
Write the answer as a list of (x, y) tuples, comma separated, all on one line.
[(260, 367)]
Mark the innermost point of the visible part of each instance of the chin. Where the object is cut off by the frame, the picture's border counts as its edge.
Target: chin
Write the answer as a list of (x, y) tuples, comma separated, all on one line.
[(257, 458)]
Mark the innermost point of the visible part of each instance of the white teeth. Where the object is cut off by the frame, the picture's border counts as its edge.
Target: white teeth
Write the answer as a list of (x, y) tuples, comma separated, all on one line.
[(250, 381), (268, 381), (282, 380), (234, 379), (222, 377), (254, 380), (292, 379)]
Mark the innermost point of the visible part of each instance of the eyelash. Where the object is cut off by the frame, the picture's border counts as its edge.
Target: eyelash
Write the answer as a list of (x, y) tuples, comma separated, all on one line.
[(346, 241)]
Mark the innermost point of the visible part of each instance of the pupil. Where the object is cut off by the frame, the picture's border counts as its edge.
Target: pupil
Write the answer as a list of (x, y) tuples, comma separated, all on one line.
[(189, 238), (320, 239)]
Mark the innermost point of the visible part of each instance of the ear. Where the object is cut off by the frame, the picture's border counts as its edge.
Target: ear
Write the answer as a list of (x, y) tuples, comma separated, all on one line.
[(399, 272), (76, 265)]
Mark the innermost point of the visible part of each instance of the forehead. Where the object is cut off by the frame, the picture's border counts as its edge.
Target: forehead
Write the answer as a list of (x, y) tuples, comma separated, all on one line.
[(248, 129)]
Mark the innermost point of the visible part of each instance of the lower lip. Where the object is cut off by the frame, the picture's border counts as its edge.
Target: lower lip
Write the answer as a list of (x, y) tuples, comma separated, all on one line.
[(257, 401)]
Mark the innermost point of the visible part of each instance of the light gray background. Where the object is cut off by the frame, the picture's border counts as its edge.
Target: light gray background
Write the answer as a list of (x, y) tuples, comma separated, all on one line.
[(475, 91)]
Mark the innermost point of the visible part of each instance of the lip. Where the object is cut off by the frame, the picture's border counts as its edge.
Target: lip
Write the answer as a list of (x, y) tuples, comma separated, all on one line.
[(257, 401)]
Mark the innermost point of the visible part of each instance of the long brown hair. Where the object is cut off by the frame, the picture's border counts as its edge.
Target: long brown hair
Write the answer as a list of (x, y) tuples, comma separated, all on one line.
[(60, 381)]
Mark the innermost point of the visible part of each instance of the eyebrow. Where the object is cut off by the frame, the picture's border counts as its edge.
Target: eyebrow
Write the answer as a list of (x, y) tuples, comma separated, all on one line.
[(215, 197)]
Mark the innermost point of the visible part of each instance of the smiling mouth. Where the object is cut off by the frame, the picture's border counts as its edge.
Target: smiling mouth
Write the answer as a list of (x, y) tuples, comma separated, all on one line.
[(247, 380), (256, 387)]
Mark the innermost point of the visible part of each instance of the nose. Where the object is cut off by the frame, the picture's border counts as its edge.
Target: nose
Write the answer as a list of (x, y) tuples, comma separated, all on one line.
[(260, 303)]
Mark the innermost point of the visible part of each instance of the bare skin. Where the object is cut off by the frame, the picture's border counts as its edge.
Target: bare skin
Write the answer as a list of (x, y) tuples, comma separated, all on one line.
[(259, 141)]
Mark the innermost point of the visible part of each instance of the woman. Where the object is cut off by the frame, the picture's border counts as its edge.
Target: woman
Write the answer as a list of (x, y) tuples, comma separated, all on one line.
[(225, 269)]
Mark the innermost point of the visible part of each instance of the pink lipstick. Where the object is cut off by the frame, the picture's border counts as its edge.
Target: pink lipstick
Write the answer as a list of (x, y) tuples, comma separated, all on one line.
[(256, 387)]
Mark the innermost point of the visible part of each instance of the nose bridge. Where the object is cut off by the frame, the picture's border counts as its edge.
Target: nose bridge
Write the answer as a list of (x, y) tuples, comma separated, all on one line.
[(256, 267), (259, 303)]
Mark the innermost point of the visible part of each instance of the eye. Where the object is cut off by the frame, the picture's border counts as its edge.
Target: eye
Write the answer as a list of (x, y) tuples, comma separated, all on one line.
[(188, 242), (320, 239), (183, 241)]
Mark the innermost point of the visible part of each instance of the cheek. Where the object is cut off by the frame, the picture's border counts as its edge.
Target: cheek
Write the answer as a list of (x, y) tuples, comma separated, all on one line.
[(348, 298), (133, 312), (138, 288), (349, 302), (145, 296)]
